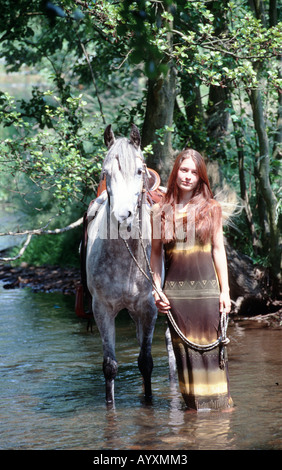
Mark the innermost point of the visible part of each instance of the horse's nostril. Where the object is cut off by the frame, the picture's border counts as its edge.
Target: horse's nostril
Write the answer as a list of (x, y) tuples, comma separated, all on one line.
[(124, 216)]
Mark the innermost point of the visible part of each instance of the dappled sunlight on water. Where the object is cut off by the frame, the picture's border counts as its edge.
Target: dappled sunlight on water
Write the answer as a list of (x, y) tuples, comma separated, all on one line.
[(52, 387)]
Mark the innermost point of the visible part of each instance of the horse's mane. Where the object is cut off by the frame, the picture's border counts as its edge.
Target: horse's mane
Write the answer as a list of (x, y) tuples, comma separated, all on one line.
[(126, 153)]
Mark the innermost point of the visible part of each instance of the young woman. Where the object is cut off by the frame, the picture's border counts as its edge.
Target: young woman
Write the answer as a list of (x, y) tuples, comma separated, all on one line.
[(187, 226)]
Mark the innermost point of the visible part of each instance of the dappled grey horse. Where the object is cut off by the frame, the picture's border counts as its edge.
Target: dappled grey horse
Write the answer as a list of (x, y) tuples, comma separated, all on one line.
[(117, 254)]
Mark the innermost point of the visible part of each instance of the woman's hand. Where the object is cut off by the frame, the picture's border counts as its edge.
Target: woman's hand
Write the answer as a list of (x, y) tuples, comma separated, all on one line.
[(224, 302), (162, 303)]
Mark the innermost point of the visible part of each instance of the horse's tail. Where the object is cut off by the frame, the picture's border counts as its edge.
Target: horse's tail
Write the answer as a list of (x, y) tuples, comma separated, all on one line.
[(82, 294)]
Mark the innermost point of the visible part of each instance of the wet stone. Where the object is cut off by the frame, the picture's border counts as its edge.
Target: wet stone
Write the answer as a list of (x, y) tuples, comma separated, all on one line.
[(41, 278)]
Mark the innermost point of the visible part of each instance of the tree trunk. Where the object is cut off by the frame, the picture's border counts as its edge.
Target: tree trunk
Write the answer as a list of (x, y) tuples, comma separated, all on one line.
[(262, 167), (217, 116), (243, 189), (277, 147), (262, 160), (190, 121), (161, 96), (159, 115)]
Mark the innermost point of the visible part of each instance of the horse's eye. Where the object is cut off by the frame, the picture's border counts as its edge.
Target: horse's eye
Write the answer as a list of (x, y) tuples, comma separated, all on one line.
[(140, 171)]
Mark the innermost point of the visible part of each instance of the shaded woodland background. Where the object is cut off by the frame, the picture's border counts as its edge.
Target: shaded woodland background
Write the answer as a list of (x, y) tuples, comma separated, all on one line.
[(204, 74)]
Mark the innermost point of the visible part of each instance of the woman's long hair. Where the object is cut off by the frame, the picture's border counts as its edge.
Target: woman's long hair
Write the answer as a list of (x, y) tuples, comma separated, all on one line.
[(202, 207), (203, 190)]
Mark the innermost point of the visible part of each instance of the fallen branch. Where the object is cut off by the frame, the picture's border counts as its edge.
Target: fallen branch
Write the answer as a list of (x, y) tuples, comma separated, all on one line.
[(22, 250), (42, 231)]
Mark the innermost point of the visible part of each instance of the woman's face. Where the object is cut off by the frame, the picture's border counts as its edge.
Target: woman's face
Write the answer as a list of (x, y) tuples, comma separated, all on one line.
[(187, 177)]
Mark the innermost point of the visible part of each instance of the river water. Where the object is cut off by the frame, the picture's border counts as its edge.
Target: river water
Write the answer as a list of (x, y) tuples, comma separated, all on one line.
[(52, 386)]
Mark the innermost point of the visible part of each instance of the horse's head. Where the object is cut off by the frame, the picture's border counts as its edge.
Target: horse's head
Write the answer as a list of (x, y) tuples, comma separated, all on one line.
[(124, 169)]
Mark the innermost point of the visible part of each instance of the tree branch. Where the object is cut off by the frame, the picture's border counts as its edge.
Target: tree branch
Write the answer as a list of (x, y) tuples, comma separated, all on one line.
[(30, 233), (22, 250), (41, 231)]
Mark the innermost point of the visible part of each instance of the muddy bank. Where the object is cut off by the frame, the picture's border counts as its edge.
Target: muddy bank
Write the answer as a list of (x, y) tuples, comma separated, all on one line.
[(40, 279), (66, 280)]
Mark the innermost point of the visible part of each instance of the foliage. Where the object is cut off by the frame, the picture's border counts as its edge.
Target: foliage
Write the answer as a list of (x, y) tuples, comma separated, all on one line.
[(96, 58), (58, 154)]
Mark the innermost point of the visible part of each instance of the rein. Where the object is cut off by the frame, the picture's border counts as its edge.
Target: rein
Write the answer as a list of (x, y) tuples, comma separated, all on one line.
[(221, 341)]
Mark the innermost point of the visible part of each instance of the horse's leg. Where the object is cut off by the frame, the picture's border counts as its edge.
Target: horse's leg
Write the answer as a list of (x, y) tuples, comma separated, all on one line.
[(110, 368), (145, 324), (105, 322), (145, 364)]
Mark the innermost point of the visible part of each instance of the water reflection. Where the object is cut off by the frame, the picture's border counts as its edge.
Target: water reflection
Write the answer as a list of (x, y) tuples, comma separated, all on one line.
[(52, 386)]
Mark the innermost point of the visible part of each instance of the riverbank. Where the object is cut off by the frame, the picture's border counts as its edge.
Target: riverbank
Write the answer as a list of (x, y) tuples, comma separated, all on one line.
[(40, 278), (66, 279)]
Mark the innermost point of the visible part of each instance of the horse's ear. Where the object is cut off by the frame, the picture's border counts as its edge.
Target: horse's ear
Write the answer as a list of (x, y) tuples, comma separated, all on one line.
[(135, 138), (109, 137)]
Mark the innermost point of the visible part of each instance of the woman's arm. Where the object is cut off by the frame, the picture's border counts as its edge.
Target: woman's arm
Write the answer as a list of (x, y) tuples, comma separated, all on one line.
[(156, 267), (220, 262)]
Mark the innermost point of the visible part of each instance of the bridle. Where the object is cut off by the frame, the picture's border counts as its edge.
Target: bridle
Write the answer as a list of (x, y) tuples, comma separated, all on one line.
[(144, 184)]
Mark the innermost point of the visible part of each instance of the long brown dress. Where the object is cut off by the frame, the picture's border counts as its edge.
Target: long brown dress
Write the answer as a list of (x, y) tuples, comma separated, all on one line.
[(192, 288)]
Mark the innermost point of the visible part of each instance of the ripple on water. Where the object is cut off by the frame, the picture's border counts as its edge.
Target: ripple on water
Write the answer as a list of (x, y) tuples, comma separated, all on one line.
[(52, 386)]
